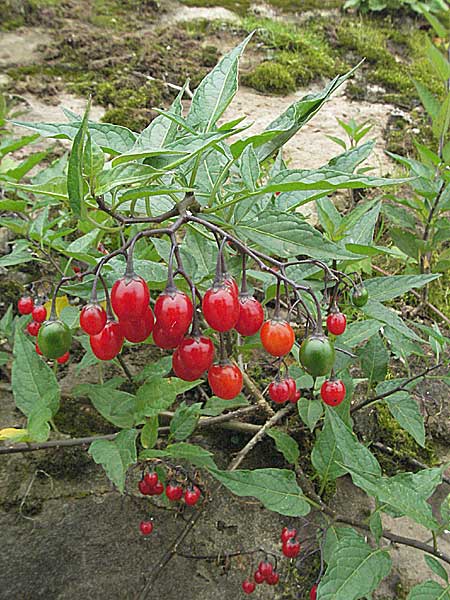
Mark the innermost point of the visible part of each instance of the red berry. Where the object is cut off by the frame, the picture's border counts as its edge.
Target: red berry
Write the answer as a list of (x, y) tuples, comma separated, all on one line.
[(197, 353), (39, 313), (265, 568), (251, 315), (336, 323), (292, 387), (259, 577), (108, 343), (138, 330), (279, 391), (158, 489), (181, 370), (63, 359), (38, 350), (273, 578), (332, 392), (220, 308), (146, 527), (313, 592), (291, 548), (163, 339), (277, 337), (225, 380), (287, 533), (173, 312), (25, 305), (33, 328), (192, 495), (92, 319), (144, 488), (296, 398), (248, 586), (130, 297), (231, 284), (151, 479), (174, 491)]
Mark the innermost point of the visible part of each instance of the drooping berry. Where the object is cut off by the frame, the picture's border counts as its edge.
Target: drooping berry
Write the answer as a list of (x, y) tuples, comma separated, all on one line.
[(25, 305), (63, 359), (181, 370), (158, 488), (151, 478), (144, 488), (287, 533), (174, 492), (220, 308), (277, 337), (360, 296), (317, 355), (130, 297), (291, 548), (92, 319), (136, 331), (163, 340), (39, 313), (265, 568), (196, 352), (313, 592), (173, 312), (33, 328), (108, 343), (279, 391), (225, 380), (292, 387), (54, 338), (146, 527), (259, 577), (333, 392), (251, 315), (336, 323), (248, 587), (296, 397), (273, 578), (192, 495), (231, 284)]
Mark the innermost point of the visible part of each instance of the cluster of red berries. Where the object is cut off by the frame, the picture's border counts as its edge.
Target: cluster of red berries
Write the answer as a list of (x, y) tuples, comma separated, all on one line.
[(290, 545), (265, 573), (27, 306), (150, 485), (284, 390)]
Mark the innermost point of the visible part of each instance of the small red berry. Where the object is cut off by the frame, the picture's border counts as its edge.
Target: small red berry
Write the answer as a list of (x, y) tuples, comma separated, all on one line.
[(151, 478), (265, 568), (163, 340), (332, 392), (144, 488), (138, 330), (33, 328), (108, 343), (192, 495), (130, 297), (248, 586), (279, 391), (259, 577), (92, 319), (292, 387), (196, 353), (174, 491), (273, 578), (225, 380), (277, 337), (287, 533), (173, 312), (63, 359), (38, 350), (291, 548), (296, 398), (220, 308), (313, 592), (251, 315), (25, 305), (158, 489), (39, 313), (336, 323), (146, 527), (181, 370), (231, 284)]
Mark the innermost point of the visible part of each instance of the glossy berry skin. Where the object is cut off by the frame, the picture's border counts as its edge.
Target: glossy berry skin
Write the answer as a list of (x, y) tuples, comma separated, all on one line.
[(332, 392), (296, 397), (220, 308), (251, 315), (108, 343), (292, 386), (138, 330), (273, 578), (336, 323), (259, 577), (279, 391), (174, 492), (192, 495), (163, 340), (92, 319), (151, 478), (313, 592), (197, 353), (287, 533), (173, 312), (291, 548), (277, 337), (317, 355), (144, 488), (231, 284), (39, 313), (38, 350), (225, 380), (146, 527), (130, 297), (180, 369), (54, 338), (25, 305), (158, 489), (360, 296), (248, 587), (33, 328), (265, 568), (63, 359)]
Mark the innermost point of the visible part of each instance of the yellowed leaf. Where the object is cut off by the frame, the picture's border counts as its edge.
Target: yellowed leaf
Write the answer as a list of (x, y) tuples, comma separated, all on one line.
[(61, 302), (13, 434)]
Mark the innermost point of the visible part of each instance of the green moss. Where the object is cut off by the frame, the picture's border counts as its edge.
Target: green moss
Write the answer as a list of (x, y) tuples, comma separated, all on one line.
[(242, 7), (78, 418), (270, 78)]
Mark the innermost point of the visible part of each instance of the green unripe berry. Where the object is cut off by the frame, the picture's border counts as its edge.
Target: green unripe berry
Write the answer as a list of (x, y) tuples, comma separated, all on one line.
[(317, 355), (360, 296), (54, 338)]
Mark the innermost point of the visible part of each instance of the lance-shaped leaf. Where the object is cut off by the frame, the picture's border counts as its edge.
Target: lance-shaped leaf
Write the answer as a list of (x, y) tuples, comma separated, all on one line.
[(405, 410), (116, 455), (75, 181), (115, 406), (429, 590), (388, 288)]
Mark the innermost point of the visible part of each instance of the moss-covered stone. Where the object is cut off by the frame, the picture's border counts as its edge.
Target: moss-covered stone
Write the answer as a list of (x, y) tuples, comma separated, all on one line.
[(270, 78)]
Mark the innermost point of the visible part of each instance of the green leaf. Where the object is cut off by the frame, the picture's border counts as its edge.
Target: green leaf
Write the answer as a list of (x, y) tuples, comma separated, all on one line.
[(436, 567), (20, 254), (429, 100), (159, 394), (38, 423), (183, 451), (184, 420), (116, 455), (310, 412), (388, 288), (438, 60), (149, 433), (429, 590), (404, 409), (442, 121), (285, 444), (354, 570), (325, 456), (386, 315), (277, 489), (124, 175), (75, 181), (159, 368), (93, 159), (374, 359), (216, 406), (115, 406), (216, 91), (376, 526), (445, 511), (249, 168), (359, 331)]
